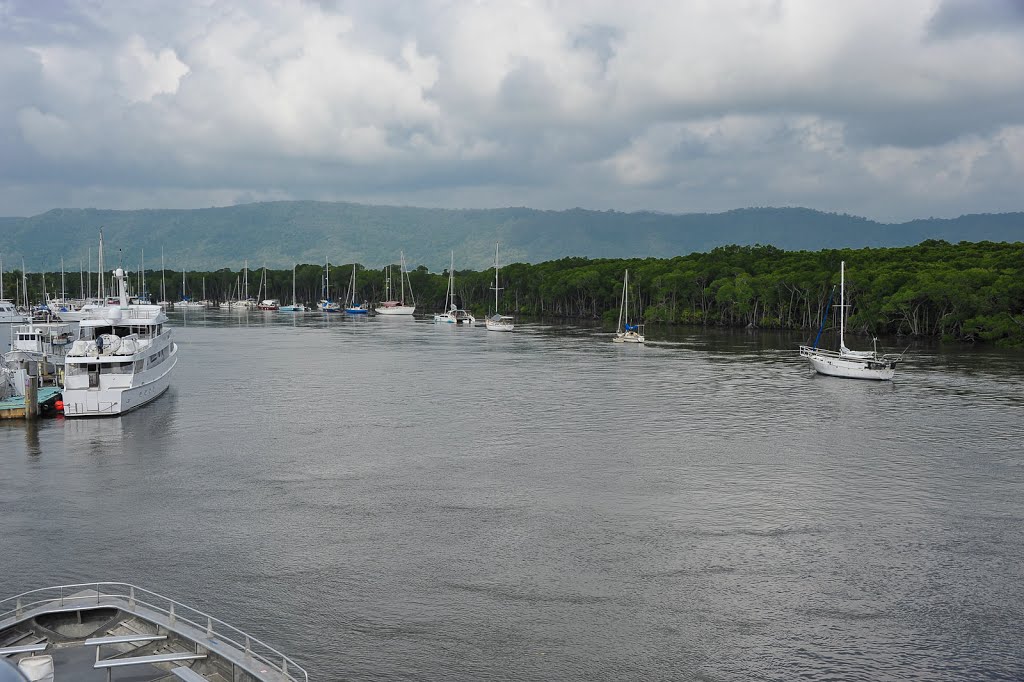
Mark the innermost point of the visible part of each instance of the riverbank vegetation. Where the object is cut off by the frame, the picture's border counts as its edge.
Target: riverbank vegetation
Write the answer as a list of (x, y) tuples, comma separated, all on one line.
[(965, 291)]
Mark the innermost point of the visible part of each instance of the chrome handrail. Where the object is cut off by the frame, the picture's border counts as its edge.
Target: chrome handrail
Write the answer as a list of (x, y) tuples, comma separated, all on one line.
[(251, 646)]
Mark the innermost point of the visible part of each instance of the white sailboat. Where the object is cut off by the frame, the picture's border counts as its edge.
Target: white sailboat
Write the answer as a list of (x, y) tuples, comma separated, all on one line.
[(266, 303), (846, 363), (626, 332), (294, 307), (399, 307), (453, 314), (498, 322)]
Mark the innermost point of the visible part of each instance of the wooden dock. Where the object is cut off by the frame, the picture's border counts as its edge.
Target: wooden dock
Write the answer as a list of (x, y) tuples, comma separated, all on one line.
[(14, 408)]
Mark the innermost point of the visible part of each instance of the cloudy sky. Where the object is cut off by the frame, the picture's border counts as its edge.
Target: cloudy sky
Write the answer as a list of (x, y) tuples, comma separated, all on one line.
[(891, 110)]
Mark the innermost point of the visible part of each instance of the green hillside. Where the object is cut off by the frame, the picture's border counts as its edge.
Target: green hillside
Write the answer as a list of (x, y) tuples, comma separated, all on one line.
[(282, 233)]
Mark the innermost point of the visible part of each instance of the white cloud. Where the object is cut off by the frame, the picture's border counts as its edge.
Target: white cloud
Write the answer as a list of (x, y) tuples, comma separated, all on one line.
[(871, 107), (144, 74)]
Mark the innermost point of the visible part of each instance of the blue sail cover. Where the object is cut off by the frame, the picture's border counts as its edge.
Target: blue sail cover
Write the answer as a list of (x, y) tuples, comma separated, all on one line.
[(631, 327)]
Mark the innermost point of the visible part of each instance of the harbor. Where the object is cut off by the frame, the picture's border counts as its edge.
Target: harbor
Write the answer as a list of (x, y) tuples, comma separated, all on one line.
[(651, 510)]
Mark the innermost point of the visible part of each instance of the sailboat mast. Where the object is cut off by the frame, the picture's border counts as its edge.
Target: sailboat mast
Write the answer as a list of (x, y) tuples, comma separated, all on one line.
[(100, 288), (293, 284), (163, 284), (842, 305), (63, 289), (245, 274), (451, 283), (495, 278), (401, 274)]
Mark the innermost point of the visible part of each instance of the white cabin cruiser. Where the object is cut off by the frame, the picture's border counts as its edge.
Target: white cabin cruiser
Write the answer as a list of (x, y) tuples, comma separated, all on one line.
[(122, 360), (80, 632)]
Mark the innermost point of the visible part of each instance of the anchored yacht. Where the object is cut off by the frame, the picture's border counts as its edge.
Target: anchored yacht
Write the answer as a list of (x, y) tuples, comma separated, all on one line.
[(122, 360), (75, 632)]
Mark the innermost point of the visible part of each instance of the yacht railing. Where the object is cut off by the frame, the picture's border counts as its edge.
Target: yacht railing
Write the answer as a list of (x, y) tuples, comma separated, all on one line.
[(127, 313), (68, 597), (807, 351)]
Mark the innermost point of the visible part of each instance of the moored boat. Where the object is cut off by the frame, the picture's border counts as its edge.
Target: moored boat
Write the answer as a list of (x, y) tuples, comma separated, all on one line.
[(846, 363), (393, 307), (122, 360), (498, 322), (626, 332), (453, 314)]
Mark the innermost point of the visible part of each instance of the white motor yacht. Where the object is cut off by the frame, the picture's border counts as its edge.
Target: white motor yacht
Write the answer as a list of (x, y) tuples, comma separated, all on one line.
[(122, 360)]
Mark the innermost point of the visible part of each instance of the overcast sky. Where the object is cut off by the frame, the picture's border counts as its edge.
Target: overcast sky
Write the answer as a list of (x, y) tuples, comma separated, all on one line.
[(891, 110)]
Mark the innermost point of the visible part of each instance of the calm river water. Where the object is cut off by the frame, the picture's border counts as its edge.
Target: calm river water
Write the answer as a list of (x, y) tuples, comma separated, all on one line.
[(386, 500)]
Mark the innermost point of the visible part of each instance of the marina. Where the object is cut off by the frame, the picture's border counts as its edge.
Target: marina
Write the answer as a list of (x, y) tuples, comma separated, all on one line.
[(726, 538)]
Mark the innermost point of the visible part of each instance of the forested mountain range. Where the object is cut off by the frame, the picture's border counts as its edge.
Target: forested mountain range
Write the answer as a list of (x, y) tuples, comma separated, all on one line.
[(287, 232)]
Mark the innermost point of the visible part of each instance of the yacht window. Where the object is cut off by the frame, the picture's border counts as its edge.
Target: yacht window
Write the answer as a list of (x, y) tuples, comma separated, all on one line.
[(116, 367), (75, 370), (138, 365)]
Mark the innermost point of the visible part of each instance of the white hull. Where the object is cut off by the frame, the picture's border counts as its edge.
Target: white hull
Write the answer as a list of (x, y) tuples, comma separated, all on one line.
[(396, 310), (848, 367), (462, 318), (110, 402), (500, 326)]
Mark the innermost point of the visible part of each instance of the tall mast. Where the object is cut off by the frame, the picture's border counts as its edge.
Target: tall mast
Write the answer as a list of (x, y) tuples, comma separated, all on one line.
[(842, 305), (89, 279), (100, 289), (623, 304), (401, 274), (81, 280), (1, 278), (496, 287), (163, 283), (63, 289), (245, 278), (293, 284)]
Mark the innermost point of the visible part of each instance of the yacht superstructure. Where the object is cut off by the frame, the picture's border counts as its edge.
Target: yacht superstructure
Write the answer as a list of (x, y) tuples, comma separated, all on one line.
[(122, 360)]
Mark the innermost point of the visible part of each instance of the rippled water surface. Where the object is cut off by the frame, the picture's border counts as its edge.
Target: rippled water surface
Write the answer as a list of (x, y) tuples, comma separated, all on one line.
[(386, 499)]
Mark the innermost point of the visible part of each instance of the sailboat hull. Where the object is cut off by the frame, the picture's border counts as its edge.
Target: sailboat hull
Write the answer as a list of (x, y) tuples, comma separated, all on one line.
[(396, 310), (836, 365)]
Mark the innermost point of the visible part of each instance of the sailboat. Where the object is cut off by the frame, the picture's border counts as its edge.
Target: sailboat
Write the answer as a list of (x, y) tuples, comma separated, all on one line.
[(399, 307), (626, 332), (850, 364), (353, 308), (326, 305), (453, 314), (498, 322), (266, 303), (185, 301), (294, 307)]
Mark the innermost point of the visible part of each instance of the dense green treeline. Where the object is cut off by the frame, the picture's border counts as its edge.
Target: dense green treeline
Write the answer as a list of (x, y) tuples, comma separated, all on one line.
[(966, 291)]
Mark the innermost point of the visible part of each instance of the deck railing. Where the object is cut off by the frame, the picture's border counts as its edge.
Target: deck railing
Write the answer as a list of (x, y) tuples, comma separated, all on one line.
[(68, 597)]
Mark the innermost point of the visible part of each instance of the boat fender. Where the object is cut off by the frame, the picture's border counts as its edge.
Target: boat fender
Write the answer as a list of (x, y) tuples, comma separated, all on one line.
[(59, 405)]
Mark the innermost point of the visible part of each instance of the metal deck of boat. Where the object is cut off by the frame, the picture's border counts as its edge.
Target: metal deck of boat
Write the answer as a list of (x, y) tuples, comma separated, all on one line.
[(178, 642)]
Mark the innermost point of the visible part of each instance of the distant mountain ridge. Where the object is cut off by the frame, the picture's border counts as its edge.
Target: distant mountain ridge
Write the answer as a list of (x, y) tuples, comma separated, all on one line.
[(285, 232)]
